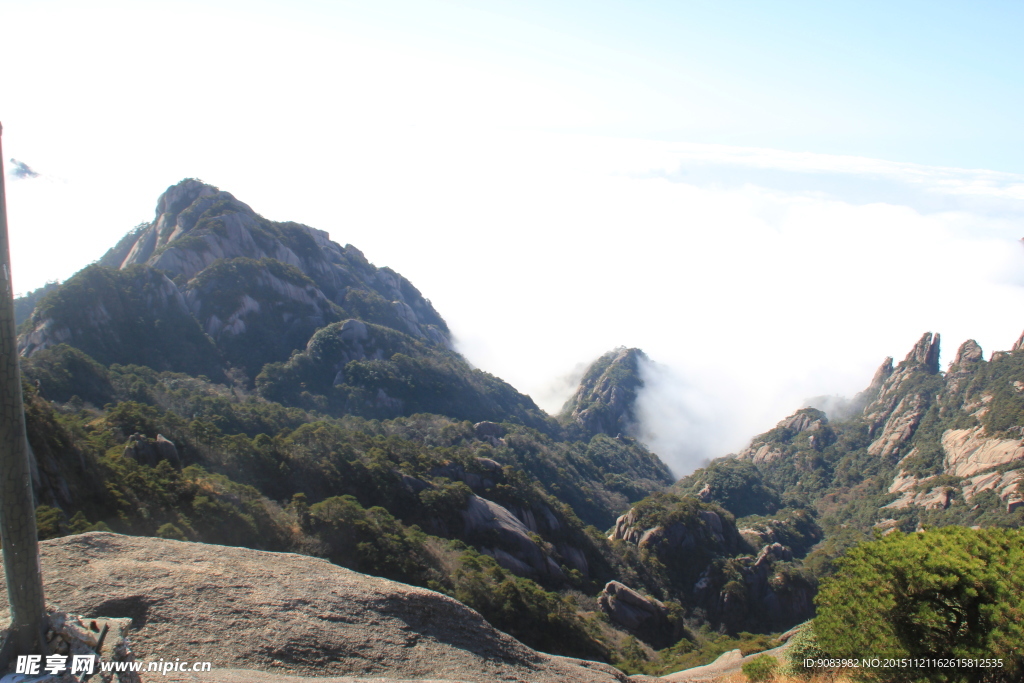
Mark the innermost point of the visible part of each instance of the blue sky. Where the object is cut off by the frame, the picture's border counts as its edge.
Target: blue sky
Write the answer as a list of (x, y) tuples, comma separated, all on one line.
[(935, 83), (769, 198)]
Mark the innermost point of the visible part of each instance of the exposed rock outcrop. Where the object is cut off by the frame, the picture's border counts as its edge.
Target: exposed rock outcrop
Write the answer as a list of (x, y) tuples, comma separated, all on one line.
[(644, 617), (969, 452), (969, 358), (680, 535), (866, 397), (693, 542), (765, 595), (937, 498), (896, 411), (1005, 484), (510, 541), (773, 445), (258, 311), (288, 614), (1019, 344), (491, 432), (900, 426)]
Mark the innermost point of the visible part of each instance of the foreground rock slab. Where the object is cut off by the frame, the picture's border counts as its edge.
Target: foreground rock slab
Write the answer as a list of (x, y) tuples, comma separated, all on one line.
[(288, 617)]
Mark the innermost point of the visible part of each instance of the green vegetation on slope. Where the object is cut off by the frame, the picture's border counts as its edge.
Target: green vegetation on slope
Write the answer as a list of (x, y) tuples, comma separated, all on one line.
[(377, 372), (943, 594), (134, 315)]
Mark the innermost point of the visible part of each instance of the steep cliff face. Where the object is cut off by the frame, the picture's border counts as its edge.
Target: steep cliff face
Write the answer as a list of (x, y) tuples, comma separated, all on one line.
[(604, 402), (903, 399)]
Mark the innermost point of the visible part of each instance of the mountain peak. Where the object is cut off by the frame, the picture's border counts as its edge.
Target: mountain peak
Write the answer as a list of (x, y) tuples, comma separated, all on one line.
[(177, 198), (925, 352), (258, 288), (605, 400), (969, 353)]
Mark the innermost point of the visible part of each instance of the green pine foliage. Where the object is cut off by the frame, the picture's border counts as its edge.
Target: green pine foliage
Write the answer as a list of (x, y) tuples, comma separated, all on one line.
[(388, 374), (736, 485), (24, 305), (63, 372), (944, 593), (130, 316), (345, 478)]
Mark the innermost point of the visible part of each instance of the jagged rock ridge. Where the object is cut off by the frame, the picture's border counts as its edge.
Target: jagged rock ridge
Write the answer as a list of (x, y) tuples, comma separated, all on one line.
[(946, 437)]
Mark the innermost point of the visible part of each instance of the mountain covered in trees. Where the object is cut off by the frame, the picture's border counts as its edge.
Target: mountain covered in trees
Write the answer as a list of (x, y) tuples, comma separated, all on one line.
[(222, 378)]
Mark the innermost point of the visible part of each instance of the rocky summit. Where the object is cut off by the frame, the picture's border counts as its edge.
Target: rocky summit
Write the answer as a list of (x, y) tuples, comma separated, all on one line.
[(606, 398)]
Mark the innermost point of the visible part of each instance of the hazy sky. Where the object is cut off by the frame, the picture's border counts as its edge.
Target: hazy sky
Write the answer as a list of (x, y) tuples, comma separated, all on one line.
[(767, 197)]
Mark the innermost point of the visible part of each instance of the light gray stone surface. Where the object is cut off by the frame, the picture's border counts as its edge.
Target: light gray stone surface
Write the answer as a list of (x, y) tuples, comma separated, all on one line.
[(288, 616)]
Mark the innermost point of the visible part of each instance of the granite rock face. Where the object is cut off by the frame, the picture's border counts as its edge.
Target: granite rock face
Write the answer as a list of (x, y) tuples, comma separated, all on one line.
[(196, 224), (969, 451), (940, 438), (278, 614), (644, 617), (894, 414)]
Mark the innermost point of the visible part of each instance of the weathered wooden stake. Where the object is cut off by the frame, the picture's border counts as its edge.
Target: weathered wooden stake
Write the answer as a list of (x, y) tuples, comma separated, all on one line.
[(25, 636)]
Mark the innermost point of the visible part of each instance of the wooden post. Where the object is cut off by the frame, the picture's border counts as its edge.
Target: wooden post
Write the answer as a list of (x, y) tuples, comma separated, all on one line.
[(25, 635)]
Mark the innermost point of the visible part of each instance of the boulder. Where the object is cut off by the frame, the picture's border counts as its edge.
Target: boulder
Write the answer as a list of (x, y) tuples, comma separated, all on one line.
[(642, 616), (488, 429), (276, 617), (502, 535), (151, 451)]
